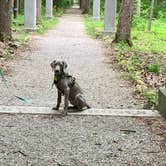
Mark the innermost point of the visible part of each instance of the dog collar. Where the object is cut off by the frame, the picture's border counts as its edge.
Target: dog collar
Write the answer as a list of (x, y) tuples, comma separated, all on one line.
[(56, 79)]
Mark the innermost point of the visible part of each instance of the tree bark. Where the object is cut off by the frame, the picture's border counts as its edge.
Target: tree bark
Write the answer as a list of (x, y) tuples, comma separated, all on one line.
[(21, 6), (123, 32), (80, 3), (56, 3), (85, 6), (38, 14), (138, 7), (160, 2), (5, 19), (15, 8), (151, 15)]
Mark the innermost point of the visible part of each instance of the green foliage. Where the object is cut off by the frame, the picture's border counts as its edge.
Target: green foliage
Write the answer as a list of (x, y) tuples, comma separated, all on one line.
[(65, 3), (94, 27), (139, 23), (46, 24), (58, 11), (152, 96), (140, 61), (150, 42), (154, 68), (159, 9), (18, 27)]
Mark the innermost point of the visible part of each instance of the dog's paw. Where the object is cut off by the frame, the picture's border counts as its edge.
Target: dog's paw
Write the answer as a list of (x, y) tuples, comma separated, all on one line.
[(89, 107), (64, 112), (55, 108)]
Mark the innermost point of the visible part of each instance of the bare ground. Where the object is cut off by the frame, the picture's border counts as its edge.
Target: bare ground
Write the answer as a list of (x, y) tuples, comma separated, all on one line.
[(77, 141), (73, 140), (86, 61)]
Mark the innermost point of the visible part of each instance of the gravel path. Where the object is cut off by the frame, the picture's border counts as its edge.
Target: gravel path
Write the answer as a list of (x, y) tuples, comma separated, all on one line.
[(77, 141), (68, 41), (40, 140)]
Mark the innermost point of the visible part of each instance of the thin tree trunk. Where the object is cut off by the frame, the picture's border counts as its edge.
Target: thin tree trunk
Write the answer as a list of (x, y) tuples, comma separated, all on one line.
[(21, 6), (80, 3), (56, 3), (85, 6), (151, 15), (123, 32), (138, 7), (38, 14), (15, 8), (160, 2), (5, 19)]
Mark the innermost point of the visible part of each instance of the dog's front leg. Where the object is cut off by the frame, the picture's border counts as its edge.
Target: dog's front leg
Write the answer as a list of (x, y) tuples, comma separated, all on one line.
[(66, 100), (58, 101)]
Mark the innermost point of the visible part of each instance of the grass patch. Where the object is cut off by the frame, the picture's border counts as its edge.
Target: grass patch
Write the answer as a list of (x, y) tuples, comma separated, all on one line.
[(46, 24), (145, 41), (94, 27), (145, 62), (149, 42), (19, 34)]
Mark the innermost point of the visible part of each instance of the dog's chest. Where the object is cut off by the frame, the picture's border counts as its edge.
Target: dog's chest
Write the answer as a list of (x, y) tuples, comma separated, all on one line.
[(60, 87), (64, 83)]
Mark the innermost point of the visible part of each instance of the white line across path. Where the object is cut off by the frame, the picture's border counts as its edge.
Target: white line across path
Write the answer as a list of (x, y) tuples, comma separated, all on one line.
[(92, 111)]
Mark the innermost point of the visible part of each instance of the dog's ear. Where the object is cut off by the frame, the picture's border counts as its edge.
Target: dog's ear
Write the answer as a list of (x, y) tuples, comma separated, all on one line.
[(53, 64), (64, 64)]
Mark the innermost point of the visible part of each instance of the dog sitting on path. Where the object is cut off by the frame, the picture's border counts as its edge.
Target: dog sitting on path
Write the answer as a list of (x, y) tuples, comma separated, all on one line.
[(67, 86)]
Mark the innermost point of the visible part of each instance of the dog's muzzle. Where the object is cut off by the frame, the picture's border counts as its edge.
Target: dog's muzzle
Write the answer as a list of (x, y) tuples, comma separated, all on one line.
[(57, 71)]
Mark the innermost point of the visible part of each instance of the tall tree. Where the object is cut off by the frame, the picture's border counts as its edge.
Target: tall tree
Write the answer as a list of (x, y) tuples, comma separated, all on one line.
[(160, 2), (80, 3), (15, 8), (138, 7), (38, 14), (85, 6), (5, 19), (151, 15), (21, 6), (56, 3), (123, 32)]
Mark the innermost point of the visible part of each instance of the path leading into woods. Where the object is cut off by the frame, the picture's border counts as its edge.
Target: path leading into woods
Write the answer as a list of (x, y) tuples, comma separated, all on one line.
[(32, 76), (73, 140)]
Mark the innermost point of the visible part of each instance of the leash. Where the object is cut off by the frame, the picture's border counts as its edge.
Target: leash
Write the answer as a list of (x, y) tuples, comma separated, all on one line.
[(7, 87)]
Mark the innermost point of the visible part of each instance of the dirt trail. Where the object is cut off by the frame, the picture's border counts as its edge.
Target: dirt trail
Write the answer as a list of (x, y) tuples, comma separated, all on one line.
[(68, 41), (27, 140)]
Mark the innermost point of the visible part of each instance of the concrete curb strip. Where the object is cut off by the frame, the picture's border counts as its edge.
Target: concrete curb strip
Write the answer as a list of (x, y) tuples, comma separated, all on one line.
[(92, 111)]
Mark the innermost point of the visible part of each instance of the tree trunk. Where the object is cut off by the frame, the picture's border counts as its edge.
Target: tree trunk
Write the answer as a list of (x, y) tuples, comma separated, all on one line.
[(5, 19), (85, 6), (15, 8), (56, 3), (21, 6), (160, 2), (123, 32), (38, 14), (151, 15), (138, 7), (80, 3)]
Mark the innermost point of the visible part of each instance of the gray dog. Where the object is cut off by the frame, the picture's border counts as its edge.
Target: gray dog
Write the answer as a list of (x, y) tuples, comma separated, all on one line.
[(68, 87)]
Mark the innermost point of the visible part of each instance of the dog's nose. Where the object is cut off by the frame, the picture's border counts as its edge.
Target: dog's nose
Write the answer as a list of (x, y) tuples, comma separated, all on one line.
[(56, 71)]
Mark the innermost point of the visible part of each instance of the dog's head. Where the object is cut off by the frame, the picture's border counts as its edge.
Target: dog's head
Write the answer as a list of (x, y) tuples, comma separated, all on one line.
[(58, 67)]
